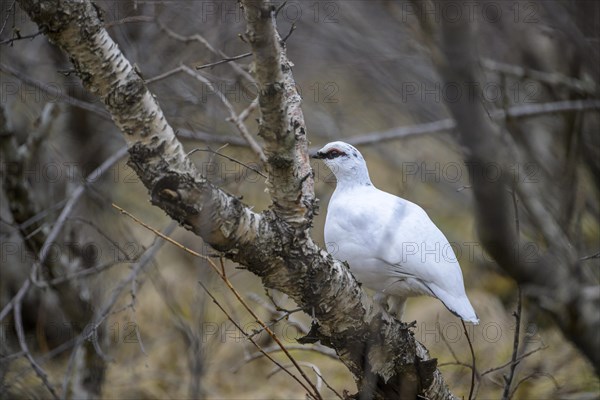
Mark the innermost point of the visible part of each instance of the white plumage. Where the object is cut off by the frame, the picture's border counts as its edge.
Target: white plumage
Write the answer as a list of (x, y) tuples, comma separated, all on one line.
[(390, 244)]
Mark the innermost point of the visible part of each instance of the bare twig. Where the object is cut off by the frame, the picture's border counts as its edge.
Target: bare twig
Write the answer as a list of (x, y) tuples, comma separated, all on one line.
[(404, 131), (552, 78), (448, 346), (85, 272), (23, 344), (127, 20), (274, 308), (200, 39), (134, 287), (292, 29), (233, 116), (208, 149), (275, 321), (448, 124), (287, 371), (318, 373), (269, 331), (515, 206), (223, 61), (74, 198), (518, 359), (207, 137), (326, 351), (54, 93), (20, 37), (460, 363), (246, 111), (590, 257), (15, 300), (531, 110), (231, 288), (532, 376), (10, 11), (513, 365), (474, 369)]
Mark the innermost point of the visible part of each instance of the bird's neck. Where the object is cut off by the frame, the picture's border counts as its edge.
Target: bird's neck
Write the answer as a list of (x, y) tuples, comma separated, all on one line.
[(353, 177)]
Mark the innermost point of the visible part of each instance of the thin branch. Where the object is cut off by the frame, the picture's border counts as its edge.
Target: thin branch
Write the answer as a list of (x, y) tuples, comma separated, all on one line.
[(223, 61), (139, 266), (460, 363), (534, 109), (10, 11), (70, 367), (513, 365), (532, 376), (273, 308), (74, 198), (269, 331), (448, 346), (228, 284), (208, 149), (246, 111), (474, 369), (518, 359), (233, 116), (590, 257), (302, 363), (275, 321), (134, 287), (326, 351), (200, 39), (23, 344), (127, 20), (105, 312), (54, 93), (448, 124), (15, 300), (405, 131), (552, 78), (292, 29), (19, 37), (516, 208), (85, 272), (40, 215), (317, 372), (252, 340), (207, 137)]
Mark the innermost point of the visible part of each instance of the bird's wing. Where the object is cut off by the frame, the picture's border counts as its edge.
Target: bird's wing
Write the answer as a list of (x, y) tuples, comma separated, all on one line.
[(417, 248)]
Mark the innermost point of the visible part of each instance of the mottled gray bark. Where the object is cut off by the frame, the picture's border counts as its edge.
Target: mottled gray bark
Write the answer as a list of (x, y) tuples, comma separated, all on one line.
[(276, 245)]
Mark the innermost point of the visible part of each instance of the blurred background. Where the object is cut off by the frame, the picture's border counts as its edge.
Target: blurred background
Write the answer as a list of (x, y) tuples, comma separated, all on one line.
[(365, 72)]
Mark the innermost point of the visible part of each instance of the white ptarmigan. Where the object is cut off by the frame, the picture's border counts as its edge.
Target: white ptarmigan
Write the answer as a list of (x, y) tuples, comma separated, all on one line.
[(390, 244)]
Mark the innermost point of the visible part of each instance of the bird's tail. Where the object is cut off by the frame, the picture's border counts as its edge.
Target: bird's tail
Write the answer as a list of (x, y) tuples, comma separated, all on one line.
[(458, 305)]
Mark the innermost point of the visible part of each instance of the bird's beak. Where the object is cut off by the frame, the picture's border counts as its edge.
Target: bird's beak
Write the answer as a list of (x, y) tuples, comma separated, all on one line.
[(318, 155)]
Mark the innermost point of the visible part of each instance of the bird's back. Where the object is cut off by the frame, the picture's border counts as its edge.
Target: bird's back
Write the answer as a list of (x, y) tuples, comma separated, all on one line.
[(393, 247)]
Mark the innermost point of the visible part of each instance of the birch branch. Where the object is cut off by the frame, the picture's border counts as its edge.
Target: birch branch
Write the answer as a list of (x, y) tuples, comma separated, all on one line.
[(282, 122)]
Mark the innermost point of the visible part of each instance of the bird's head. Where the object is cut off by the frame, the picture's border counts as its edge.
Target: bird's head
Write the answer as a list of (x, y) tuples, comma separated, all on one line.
[(345, 161)]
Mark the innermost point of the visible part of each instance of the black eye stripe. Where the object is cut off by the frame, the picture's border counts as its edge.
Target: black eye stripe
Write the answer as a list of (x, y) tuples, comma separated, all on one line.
[(334, 154)]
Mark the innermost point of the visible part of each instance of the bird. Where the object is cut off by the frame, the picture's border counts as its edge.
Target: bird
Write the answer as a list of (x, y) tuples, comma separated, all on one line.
[(390, 244)]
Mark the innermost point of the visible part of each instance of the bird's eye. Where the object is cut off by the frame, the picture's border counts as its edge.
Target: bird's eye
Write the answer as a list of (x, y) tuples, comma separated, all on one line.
[(334, 153)]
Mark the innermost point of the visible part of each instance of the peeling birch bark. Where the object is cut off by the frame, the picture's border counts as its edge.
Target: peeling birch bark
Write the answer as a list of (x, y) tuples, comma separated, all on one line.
[(385, 359)]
